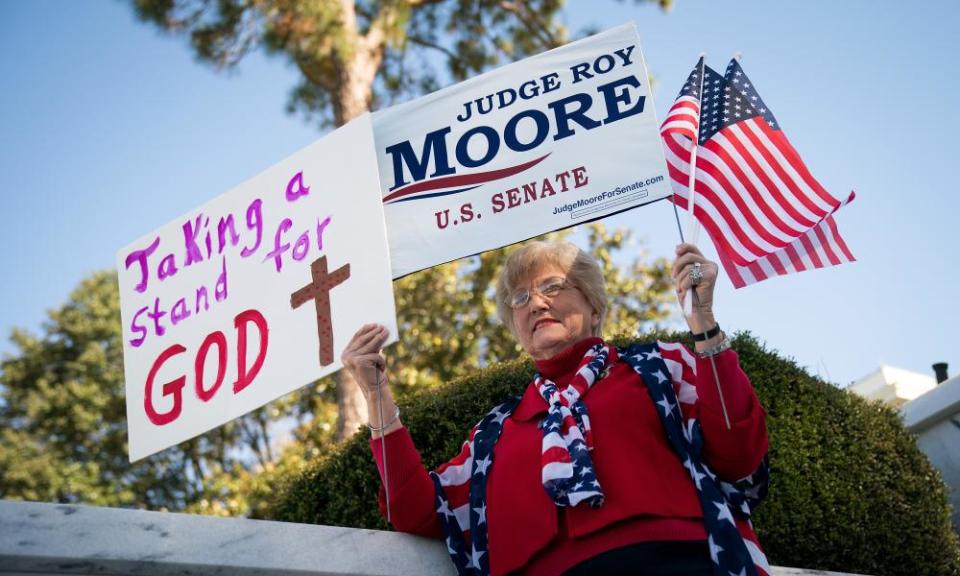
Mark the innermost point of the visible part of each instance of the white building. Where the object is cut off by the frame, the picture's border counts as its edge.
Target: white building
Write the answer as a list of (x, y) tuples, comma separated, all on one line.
[(893, 386), (930, 410), (935, 418)]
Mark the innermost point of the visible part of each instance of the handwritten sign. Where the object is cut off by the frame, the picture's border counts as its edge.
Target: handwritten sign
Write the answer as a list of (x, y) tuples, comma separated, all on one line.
[(561, 138), (255, 293)]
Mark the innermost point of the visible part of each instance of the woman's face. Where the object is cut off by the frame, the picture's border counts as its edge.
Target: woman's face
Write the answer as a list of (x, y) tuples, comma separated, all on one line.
[(545, 325)]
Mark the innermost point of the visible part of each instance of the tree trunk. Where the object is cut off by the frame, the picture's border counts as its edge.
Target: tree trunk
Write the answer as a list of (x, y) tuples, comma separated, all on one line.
[(352, 101), (351, 406), (351, 98)]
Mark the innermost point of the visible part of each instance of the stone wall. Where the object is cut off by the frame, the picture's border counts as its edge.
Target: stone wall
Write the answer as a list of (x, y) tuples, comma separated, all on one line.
[(38, 539)]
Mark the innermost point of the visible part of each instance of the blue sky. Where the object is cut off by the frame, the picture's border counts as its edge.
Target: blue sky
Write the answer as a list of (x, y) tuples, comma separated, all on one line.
[(108, 130)]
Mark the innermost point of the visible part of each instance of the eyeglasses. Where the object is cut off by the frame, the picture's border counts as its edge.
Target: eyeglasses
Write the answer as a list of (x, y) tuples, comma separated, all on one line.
[(549, 288)]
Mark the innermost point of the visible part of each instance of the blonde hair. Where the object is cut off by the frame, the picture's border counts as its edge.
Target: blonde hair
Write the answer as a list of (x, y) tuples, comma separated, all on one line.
[(580, 268)]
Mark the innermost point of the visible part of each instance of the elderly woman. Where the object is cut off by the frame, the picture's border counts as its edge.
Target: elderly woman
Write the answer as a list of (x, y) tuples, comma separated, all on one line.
[(611, 462)]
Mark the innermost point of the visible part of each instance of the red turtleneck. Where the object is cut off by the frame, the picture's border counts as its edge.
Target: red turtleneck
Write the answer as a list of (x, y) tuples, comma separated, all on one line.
[(648, 495)]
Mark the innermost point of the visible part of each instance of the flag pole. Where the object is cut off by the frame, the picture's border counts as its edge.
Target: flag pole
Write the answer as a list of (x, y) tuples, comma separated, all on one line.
[(693, 225), (691, 302), (383, 440), (713, 363)]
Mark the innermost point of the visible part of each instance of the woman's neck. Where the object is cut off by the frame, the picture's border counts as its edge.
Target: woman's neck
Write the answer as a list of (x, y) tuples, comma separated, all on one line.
[(565, 361)]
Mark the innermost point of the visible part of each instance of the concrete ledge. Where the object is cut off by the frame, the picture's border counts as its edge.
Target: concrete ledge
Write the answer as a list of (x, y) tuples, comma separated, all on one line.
[(44, 539), (41, 538)]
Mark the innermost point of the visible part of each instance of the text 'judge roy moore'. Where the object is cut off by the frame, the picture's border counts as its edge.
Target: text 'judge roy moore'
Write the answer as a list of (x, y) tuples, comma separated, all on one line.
[(523, 132)]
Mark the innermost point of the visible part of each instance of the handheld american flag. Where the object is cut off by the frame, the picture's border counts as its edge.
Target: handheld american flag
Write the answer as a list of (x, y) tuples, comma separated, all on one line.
[(683, 119), (767, 215)]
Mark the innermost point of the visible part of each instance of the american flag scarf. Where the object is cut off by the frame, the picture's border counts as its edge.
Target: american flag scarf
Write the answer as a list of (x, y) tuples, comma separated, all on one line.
[(567, 470), (721, 502)]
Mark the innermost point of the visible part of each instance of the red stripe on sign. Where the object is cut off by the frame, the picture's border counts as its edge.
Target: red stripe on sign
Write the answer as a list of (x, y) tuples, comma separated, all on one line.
[(463, 180)]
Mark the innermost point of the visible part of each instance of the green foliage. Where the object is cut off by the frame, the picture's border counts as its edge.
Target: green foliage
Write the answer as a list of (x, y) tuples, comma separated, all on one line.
[(358, 55), (851, 489), (385, 48), (62, 412), (63, 434), (850, 492)]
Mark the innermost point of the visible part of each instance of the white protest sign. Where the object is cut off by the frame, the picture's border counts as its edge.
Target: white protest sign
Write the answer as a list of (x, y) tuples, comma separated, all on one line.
[(255, 293), (561, 138)]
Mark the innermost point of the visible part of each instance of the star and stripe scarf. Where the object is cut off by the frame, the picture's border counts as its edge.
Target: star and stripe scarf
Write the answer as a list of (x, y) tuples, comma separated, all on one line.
[(567, 471), (731, 551)]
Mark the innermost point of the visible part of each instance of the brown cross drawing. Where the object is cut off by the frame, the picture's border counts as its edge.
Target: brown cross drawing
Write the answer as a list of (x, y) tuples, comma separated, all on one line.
[(319, 291)]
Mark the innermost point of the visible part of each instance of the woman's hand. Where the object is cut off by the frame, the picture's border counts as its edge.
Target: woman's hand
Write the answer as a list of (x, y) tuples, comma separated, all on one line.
[(366, 363), (688, 255), (364, 360)]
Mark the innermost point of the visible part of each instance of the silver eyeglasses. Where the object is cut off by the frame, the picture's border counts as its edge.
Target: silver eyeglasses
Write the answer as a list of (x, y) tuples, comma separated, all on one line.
[(549, 288)]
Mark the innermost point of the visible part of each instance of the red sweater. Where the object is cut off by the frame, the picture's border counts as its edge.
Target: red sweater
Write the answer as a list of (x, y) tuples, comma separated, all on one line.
[(645, 498)]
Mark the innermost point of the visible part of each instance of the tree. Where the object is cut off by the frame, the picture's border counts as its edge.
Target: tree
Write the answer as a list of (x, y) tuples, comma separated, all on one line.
[(354, 56), (63, 434)]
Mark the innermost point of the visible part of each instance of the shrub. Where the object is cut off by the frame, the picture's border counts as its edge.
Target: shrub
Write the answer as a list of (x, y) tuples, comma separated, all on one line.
[(851, 491)]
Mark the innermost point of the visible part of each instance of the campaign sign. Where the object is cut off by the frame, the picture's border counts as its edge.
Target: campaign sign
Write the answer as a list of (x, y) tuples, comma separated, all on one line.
[(561, 138), (255, 293)]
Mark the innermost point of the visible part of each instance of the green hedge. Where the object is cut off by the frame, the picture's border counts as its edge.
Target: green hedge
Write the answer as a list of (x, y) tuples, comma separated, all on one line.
[(851, 491)]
